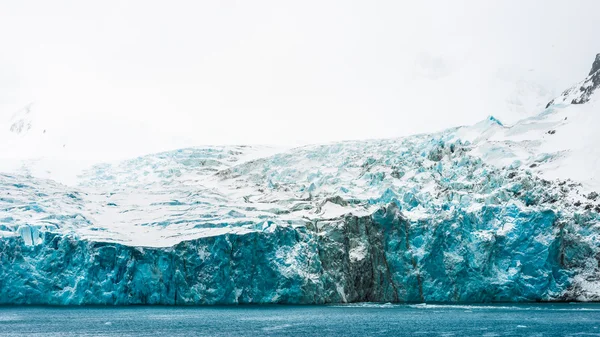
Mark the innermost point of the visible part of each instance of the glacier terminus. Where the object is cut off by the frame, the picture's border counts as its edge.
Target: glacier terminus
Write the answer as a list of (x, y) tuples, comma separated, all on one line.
[(481, 213)]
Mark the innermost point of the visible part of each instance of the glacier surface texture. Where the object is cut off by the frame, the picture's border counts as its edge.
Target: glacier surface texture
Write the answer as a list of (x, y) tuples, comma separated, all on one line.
[(472, 214)]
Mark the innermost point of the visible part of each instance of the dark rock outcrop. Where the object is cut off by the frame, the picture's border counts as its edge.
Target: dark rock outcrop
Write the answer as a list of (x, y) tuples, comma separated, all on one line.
[(595, 65), (581, 92)]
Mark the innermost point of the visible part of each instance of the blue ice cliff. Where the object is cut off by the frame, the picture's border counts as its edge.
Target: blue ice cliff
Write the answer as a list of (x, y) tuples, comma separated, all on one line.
[(473, 214)]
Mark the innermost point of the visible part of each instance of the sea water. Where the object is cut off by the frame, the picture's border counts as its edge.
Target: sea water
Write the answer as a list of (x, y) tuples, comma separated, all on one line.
[(333, 320)]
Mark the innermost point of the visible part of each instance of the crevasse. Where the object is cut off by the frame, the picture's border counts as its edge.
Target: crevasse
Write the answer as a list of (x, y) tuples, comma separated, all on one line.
[(417, 219)]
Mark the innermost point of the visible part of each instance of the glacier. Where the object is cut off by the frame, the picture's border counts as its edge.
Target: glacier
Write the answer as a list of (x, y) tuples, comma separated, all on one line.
[(483, 213)]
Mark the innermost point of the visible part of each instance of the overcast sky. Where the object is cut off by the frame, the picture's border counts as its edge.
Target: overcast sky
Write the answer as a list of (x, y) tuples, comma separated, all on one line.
[(288, 72)]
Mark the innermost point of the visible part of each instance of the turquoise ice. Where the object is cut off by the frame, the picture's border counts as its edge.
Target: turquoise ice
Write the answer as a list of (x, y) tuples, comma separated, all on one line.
[(415, 219)]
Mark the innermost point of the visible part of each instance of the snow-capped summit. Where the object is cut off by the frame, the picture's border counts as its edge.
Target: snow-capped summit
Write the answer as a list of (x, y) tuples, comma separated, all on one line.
[(582, 91), (22, 120)]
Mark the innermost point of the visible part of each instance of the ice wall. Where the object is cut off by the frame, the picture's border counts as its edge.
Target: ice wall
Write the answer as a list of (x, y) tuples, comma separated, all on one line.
[(540, 256)]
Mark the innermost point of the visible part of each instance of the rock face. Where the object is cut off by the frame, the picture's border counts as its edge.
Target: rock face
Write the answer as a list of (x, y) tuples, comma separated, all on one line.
[(581, 92), (464, 215), (595, 65)]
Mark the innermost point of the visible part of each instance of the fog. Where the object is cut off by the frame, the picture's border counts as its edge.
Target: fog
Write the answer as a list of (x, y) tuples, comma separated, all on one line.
[(140, 76)]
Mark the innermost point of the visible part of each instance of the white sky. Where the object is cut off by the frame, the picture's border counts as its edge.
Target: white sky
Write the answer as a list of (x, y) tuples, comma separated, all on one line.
[(284, 72)]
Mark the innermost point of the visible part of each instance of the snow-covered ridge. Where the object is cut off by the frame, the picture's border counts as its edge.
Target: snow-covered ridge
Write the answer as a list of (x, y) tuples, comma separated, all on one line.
[(582, 91)]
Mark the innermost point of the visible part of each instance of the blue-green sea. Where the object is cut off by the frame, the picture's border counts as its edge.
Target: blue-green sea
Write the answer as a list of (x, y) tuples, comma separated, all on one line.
[(333, 320)]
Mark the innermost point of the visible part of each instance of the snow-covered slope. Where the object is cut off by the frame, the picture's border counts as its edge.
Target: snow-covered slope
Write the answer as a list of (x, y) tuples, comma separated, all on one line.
[(22, 120), (43, 141), (480, 213), (561, 142)]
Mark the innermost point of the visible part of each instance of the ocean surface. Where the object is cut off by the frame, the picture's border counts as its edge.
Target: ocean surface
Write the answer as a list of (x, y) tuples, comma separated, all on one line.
[(333, 320)]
